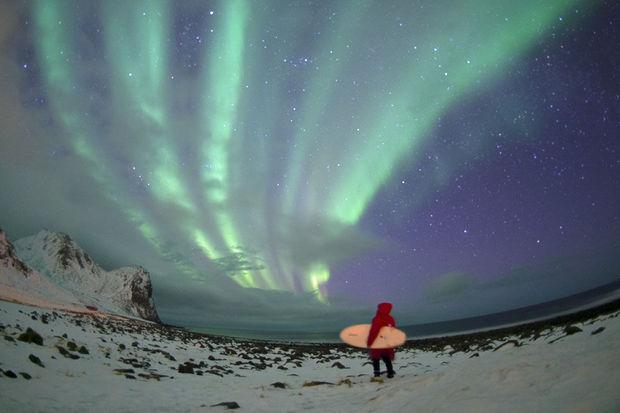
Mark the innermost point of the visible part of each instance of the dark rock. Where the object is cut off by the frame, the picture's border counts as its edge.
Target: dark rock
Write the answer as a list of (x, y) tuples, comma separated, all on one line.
[(229, 405), (187, 369), (297, 363), (316, 383), (571, 330), (10, 374), (124, 371), (258, 366), (135, 344), (279, 385), (154, 376), (9, 338), (134, 362), (169, 356), (83, 350), (121, 347), (71, 346), (598, 330), (25, 375), (31, 336), (513, 342), (129, 376), (35, 360), (339, 365), (65, 353), (474, 355)]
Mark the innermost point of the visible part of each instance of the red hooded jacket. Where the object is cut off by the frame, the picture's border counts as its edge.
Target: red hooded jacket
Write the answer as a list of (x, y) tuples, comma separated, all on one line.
[(382, 319)]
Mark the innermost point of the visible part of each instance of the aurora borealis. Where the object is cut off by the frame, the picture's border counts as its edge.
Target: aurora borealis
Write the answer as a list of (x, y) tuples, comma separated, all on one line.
[(306, 157)]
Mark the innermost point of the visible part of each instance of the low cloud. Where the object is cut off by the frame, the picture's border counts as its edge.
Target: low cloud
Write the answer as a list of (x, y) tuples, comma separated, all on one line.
[(198, 304), (449, 286), (316, 239)]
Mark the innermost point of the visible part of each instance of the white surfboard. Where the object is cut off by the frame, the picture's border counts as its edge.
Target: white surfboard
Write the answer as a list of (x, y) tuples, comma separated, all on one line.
[(389, 337)]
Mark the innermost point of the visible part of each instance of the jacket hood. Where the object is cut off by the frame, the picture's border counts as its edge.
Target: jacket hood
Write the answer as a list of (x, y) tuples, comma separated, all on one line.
[(384, 308)]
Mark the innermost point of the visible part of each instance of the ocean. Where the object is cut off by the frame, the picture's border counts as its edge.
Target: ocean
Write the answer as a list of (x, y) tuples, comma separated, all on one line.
[(588, 299)]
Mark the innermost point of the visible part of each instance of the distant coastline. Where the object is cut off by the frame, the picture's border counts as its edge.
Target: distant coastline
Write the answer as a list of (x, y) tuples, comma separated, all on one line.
[(573, 304), (582, 305)]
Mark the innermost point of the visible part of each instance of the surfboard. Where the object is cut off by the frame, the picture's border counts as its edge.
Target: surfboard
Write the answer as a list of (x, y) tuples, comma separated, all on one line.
[(357, 335)]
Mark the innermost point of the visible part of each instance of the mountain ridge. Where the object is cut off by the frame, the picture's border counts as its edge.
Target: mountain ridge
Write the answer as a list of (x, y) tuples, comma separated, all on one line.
[(57, 259)]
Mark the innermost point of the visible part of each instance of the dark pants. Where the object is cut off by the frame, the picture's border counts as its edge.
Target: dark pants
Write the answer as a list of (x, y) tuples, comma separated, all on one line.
[(376, 364)]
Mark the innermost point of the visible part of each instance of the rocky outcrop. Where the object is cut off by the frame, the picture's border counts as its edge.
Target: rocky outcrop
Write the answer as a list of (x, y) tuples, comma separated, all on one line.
[(68, 253), (8, 257), (136, 293)]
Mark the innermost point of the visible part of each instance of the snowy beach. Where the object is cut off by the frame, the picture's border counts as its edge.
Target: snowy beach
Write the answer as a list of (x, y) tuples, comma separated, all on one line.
[(61, 361), (199, 196)]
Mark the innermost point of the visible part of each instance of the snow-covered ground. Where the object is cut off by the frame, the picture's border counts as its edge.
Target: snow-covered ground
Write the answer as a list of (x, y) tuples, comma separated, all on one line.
[(94, 363)]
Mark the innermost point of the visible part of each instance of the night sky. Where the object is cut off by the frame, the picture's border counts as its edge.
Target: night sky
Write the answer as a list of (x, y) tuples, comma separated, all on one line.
[(289, 164)]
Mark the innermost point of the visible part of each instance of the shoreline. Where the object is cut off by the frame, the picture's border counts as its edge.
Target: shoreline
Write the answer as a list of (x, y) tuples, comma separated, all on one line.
[(456, 340), (525, 330)]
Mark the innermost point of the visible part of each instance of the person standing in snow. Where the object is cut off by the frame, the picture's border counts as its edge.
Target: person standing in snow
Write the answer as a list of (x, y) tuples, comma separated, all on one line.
[(382, 319)]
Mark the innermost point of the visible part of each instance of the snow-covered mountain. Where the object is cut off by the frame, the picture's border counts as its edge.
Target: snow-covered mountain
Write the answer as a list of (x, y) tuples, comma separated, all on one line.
[(57, 257), (21, 283)]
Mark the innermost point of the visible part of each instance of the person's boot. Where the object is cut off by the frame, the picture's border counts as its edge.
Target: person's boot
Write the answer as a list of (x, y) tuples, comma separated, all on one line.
[(390, 369), (376, 366)]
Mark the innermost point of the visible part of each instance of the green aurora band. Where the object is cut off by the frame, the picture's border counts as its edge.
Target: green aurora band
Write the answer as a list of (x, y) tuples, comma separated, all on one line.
[(346, 137)]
